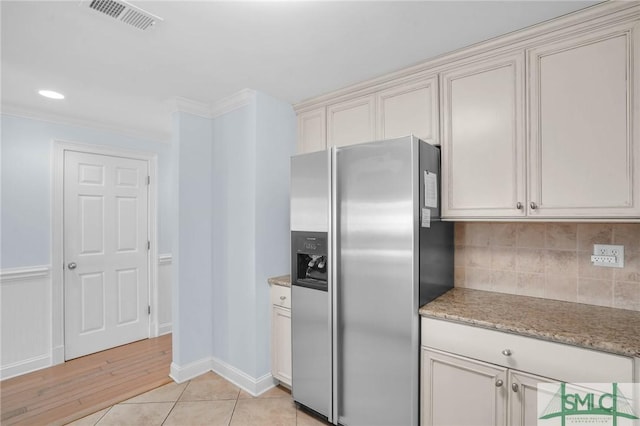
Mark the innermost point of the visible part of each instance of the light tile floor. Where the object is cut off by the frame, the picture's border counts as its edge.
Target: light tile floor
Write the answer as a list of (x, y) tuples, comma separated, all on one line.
[(206, 400)]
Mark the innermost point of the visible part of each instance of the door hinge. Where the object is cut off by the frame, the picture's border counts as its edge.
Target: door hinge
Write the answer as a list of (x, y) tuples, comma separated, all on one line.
[(148, 180), (148, 245), (149, 309)]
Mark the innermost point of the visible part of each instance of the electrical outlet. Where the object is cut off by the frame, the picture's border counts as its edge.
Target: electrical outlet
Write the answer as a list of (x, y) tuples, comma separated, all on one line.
[(608, 255), (600, 258)]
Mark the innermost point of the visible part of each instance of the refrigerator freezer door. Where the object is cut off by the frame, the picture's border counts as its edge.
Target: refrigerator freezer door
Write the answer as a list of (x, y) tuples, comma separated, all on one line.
[(311, 351), (310, 192), (377, 274)]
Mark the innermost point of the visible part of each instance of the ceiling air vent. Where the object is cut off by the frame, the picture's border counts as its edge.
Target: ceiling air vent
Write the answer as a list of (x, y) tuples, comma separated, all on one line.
[(124, 12)]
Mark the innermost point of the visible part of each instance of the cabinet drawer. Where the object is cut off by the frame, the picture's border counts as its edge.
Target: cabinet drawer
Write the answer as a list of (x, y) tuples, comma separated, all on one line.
[(555, 360), (281, 296)]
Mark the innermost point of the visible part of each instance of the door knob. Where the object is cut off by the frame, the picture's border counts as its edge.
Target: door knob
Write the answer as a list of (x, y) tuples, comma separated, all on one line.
[(519, 205), (72, 265), (533, 205), (514, 387), (499, 383)]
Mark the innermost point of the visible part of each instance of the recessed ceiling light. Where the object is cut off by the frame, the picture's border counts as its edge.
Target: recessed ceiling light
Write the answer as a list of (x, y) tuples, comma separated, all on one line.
[(51, 94)]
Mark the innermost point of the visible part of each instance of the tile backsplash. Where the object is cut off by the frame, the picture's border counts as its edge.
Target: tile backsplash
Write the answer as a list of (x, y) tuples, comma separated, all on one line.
[(549, 260)]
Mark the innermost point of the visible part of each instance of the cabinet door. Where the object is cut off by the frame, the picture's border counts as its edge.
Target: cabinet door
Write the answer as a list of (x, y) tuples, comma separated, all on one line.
[(410, 108), (523, 398), (281, 344), (458, 391), (351, 122), (584, 127), (483, 139), (312, 130)]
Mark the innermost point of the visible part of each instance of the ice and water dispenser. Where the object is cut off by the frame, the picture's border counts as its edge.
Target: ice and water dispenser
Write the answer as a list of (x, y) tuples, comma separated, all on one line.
[(309, 259)]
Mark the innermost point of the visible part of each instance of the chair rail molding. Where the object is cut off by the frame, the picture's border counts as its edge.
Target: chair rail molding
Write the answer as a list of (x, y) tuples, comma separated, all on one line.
[(8, 275)]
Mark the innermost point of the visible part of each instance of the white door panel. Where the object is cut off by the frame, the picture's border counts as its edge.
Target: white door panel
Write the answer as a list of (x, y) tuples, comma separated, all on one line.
[(483, 146), (105, 223), (584, 112)]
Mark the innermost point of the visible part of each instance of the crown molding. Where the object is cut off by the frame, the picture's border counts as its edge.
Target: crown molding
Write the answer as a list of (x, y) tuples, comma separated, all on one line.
[(233, 102), (175, 104), (215, 109), (180, 104), (606, 13), (35, 114)]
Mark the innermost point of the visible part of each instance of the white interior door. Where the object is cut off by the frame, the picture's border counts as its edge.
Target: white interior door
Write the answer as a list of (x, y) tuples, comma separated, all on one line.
[(106, 290)]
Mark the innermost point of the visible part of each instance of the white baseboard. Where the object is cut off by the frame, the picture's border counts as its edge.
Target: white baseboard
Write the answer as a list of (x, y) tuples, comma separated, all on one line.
[(181, 374), (165, 329), (264, 383), (25, 366), (57, 355), (239, 378)]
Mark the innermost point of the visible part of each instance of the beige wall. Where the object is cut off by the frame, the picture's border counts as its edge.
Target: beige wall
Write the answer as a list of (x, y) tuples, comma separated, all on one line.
[(549, 260)]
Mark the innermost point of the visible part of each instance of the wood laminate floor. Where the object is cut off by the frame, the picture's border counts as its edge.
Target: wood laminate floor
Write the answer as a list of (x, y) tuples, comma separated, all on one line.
[(69, 391)]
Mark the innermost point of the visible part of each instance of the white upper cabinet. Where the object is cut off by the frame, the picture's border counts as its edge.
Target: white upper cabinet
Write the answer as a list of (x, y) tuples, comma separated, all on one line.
[(351, 121), (483, 147), (584, 128), (540, 124), (410, 108), (312, 130)]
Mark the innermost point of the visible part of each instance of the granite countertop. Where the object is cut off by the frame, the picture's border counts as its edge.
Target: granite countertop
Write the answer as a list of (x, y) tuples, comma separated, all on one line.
[(595, 327), (283, 280)]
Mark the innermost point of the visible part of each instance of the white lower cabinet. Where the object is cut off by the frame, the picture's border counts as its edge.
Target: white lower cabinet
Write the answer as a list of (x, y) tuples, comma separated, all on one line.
[(460, 391), (475, 376), (523, 399), (281, 334)]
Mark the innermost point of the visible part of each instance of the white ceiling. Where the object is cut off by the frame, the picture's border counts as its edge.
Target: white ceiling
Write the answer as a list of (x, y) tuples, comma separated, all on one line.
[(120, 76)]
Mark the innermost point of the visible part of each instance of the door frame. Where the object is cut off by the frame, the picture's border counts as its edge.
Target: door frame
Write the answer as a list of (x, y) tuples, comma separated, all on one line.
[(57, 238)]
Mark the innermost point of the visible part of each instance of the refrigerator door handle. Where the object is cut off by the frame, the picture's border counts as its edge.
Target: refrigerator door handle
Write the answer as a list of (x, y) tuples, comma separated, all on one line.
[(333, 284)]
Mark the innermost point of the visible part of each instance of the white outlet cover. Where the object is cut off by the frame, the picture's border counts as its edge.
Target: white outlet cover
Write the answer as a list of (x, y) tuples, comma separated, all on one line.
[(607, 250)]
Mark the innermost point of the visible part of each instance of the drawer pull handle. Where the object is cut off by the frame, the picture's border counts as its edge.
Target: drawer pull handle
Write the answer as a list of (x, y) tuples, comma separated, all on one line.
[(283, 297), (499, 383), (506, 352), (514, 387)]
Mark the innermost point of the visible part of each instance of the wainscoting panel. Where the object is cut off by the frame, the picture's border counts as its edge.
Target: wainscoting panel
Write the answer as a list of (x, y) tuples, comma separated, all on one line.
[(25, 295), (26, 327), (164, 294)]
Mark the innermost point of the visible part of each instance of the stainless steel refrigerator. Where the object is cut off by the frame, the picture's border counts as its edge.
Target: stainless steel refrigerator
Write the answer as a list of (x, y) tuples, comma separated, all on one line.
[(367, 249)]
